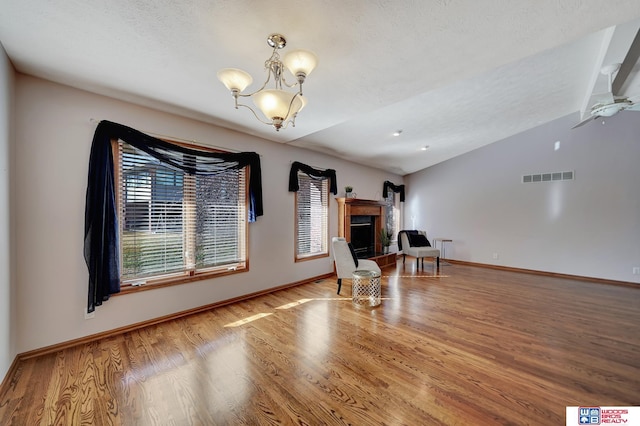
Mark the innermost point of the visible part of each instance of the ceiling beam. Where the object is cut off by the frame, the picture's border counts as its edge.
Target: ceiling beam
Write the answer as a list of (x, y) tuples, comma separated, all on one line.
[(607, 36), (627, 65)]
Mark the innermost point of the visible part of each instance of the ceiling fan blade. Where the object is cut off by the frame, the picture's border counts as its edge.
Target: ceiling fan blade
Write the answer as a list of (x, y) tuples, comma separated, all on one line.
[(627, 65), (585, 121), (602, 98)]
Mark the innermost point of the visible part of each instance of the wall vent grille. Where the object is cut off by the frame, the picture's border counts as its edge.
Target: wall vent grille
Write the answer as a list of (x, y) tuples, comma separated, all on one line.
[(548, 177)]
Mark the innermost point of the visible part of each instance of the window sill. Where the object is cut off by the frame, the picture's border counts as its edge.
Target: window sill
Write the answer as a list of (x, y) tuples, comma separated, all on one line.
[(177, 280), (313, 257)]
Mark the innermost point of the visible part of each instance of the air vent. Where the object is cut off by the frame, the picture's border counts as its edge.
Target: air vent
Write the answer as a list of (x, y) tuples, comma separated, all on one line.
[(548, 177)]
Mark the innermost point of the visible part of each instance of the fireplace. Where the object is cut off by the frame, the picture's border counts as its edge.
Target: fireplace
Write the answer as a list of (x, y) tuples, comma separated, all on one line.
[(363, 236), (360, 222)]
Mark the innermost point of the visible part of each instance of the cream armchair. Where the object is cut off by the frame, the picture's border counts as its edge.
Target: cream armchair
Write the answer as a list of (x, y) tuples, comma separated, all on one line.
[(418, 251), (345, 261)]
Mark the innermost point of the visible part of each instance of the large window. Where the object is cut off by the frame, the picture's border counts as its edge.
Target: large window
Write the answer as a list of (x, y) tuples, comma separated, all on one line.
[(175, 225), (312, 212)]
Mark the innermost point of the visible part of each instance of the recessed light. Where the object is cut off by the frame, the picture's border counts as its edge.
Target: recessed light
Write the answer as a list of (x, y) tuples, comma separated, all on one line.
[(397, 133), (424, 148)]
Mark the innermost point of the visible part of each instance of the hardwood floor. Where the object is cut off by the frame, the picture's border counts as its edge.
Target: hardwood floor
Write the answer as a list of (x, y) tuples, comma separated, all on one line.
[(472, 346)]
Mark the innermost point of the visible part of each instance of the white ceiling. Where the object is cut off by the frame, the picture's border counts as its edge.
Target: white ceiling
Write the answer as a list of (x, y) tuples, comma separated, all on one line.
[(453, 75)]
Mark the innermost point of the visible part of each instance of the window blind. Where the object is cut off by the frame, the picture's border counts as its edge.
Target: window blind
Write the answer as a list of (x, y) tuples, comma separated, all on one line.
[(312, 216), (177, 223)]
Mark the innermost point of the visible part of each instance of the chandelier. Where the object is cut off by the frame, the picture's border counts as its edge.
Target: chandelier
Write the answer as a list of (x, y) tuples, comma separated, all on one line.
[(279, 107)]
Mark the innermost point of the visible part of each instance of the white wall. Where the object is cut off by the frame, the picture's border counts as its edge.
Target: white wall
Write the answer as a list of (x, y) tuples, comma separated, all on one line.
[(7, 346), (588, 227), (53, 137)]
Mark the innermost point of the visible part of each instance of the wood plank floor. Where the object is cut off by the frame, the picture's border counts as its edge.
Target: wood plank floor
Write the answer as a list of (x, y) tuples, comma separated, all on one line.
[(471, 346)]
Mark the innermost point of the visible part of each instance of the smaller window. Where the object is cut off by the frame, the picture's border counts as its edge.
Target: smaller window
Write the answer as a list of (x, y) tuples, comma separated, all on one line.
[(312, 213)]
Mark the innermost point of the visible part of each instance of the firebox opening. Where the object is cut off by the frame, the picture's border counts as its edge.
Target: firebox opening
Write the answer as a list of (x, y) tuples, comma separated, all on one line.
[(363, 236)]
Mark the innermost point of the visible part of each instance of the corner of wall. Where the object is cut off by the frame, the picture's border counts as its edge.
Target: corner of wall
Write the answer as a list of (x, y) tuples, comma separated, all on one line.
[(7, 287)]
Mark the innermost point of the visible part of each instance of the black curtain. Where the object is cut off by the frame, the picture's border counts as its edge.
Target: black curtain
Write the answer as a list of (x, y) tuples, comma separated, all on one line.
[(100, 221), (314, 173), (395, 188)]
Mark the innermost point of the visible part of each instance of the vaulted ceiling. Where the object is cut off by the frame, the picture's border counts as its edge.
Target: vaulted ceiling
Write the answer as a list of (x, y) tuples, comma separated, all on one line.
[(452, 75)]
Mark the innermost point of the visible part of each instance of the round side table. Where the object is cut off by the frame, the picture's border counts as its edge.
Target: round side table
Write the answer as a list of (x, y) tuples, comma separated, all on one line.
[(442, 247), (365, 288)]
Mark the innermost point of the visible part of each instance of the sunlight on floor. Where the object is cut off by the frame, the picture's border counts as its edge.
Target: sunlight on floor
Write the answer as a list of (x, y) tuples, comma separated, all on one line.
[(248, 319), (303, 301)]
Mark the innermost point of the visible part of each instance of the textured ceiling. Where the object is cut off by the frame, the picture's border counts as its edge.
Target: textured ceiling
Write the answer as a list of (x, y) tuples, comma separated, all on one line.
[(453, 75)]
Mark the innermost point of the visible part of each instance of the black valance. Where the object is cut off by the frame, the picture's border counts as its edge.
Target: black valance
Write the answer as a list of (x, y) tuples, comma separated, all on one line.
[(314, 173), (101, 248), (395, 188)]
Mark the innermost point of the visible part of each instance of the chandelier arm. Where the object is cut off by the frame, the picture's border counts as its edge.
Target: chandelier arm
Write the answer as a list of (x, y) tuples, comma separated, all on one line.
[(291, 104), (254, 113), (247, 95), (291, 119), (290, 85)]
